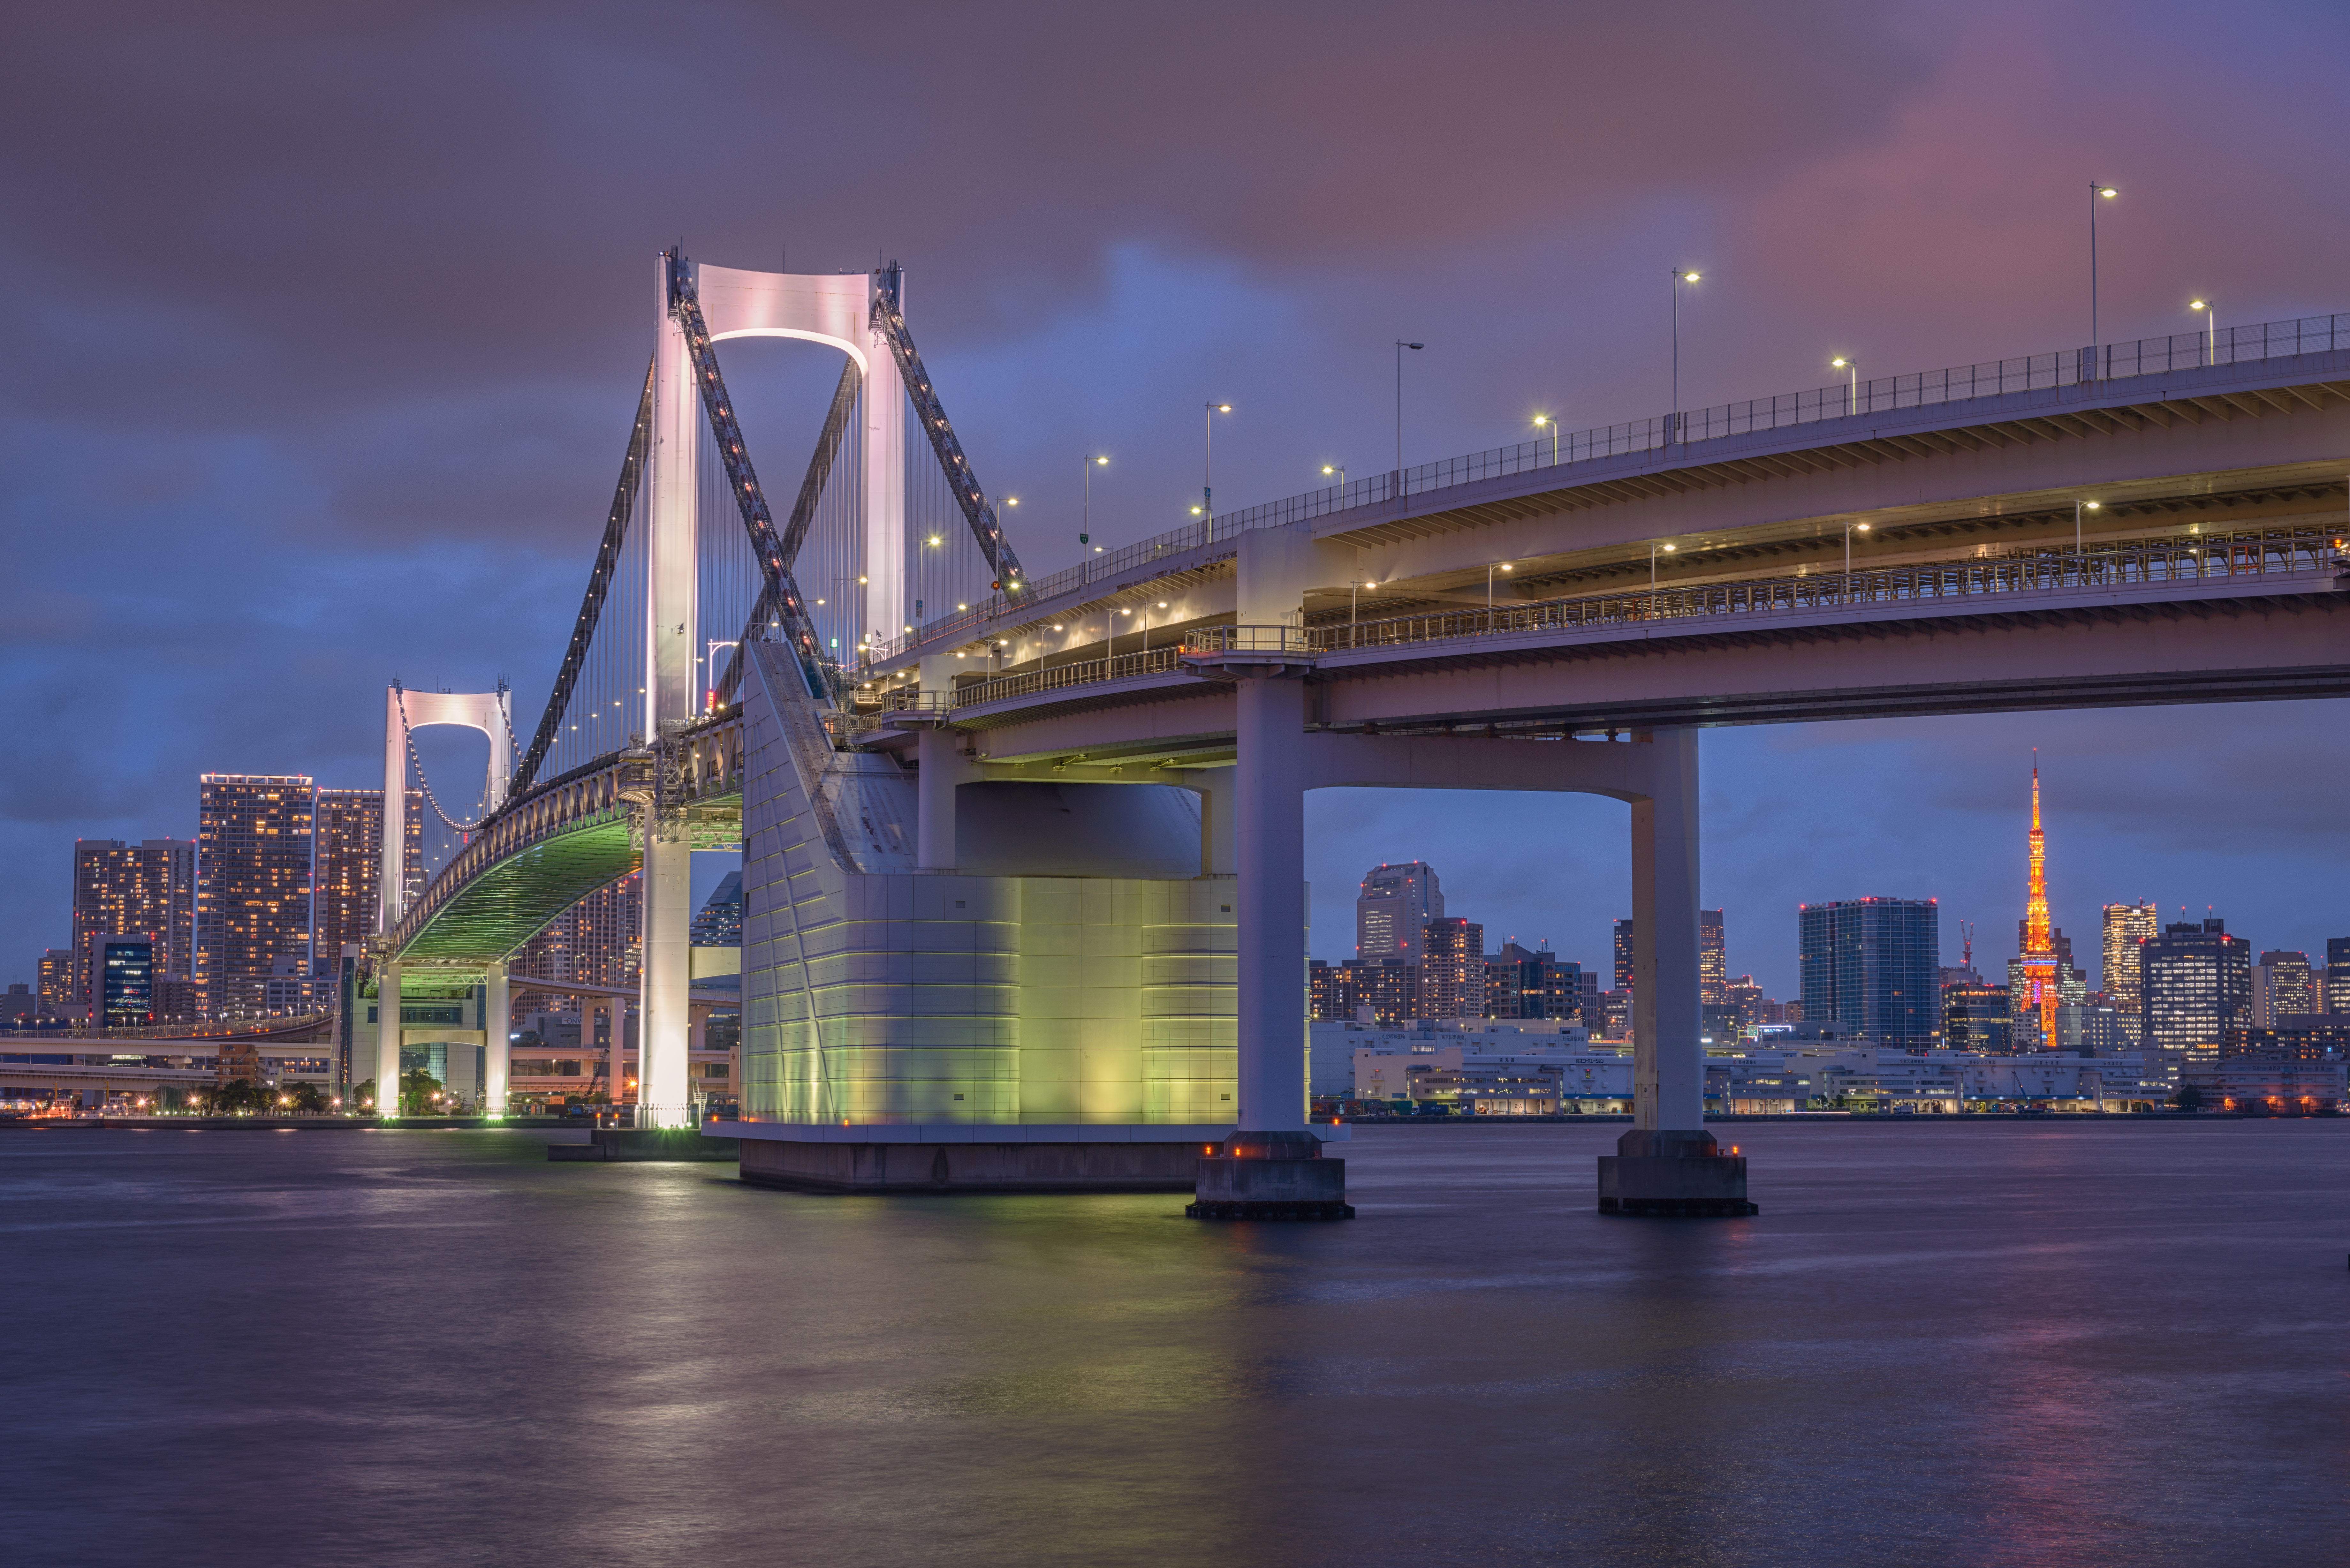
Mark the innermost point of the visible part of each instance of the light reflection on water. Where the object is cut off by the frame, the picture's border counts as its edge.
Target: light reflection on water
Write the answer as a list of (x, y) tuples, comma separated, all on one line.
[(1976, 1344)]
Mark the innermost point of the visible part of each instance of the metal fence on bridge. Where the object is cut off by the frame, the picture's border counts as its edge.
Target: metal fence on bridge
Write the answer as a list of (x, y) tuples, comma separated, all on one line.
[(1562, 448), (2309, 555)]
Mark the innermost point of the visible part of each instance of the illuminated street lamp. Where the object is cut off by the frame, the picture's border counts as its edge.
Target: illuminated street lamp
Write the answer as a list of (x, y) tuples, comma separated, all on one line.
[(1653, 550), (1339, 468), (1208, 468), (1852, 399), (2079, 507), (1849, 529), (1680, 276), (2211, 328), (2099, 191), (1543, 420)]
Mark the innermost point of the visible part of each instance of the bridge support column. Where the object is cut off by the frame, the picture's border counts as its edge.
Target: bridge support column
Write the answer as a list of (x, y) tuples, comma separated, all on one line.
[(387, 1041), (1272, 1167), (497, 1033), (663, 1028), (1669, 1164), (1219, 845), (939, 753)]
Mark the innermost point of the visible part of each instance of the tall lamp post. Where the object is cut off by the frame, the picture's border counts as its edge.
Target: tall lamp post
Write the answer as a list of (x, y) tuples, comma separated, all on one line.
[(1680, 276), (1093, 460), (2211, 328), (1543, 421), (1400, 347), (1852, 367), (1653, 550), (2079, 507), (1208, 470), (2099, 191), (1849, 529)]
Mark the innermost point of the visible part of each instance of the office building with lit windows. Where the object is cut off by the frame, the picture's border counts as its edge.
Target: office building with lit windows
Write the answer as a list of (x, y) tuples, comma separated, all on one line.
[(1452, 969), (1393, 911), (2197, 986), (2126, 927), (1874, 966)]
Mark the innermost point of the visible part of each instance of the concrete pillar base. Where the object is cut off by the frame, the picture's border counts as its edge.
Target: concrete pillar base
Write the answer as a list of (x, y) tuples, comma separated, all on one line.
[(1673, 1175), (1270, 1176), (922, 1168)]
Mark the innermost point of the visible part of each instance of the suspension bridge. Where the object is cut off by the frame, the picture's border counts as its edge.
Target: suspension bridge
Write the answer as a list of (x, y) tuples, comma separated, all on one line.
[(1024, 856)]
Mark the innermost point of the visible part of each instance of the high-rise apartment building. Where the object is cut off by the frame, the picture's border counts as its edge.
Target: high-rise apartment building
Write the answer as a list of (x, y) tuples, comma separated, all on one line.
[(54, 984), (253, 886), (1393, 910), (2282, 988), (596, 942), (1452, 969), (1713, 960), (148, 887), (1873, 965), (1623, 955), (720, 923), (2197, 982), (2127, 926), (347, 838)]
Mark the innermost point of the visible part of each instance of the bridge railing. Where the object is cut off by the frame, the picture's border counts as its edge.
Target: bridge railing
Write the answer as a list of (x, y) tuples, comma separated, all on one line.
[(1562, 448), (2305, 552)]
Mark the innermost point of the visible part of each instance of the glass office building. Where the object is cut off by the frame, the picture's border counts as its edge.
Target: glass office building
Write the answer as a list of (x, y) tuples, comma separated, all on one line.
[(1874, 966)]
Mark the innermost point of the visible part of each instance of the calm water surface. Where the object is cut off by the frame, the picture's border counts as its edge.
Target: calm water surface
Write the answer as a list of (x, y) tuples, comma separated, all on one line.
[(1977, 1343)]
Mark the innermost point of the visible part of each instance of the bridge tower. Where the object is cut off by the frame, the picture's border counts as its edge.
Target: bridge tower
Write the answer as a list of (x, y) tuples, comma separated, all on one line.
[(405, 713)]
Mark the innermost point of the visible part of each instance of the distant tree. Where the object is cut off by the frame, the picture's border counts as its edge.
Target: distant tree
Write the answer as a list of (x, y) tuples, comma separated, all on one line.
[(363, 1095), (417, 1089), (306, 1098), (2188, 1098), (239, 1096)]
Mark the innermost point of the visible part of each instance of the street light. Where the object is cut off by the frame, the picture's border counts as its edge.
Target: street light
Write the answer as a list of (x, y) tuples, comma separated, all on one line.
[(2079, 507), (1849, 529), (2099, 191), (1680, 276), (1400, 347), (2211, 328), (1093, 460), (1852, 400), (1340, 470), (1653, 548), (1208, 469), (1541, 420)]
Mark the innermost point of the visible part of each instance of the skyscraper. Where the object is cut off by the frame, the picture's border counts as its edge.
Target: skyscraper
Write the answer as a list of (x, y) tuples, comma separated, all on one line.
[(2337, 975), (347, 840), (720, 923), (253, 886), (1396, 906), (1874, 965), (54, 990), (1713, 960), (2127, 926), (148, 887), (1624, 955), (2037, 961), (2284, 989), (1523, 983), (2197, 982), (1452, 969)]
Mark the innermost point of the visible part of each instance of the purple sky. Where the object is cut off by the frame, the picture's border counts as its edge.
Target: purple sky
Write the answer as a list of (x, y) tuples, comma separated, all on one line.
[(323, 326)]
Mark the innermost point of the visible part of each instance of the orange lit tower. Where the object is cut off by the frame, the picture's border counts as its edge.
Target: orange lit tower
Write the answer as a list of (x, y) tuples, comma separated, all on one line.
[(2039, 962)]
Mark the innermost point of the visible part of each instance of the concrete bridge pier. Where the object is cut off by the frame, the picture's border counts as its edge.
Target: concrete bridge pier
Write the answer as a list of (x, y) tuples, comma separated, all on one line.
[(1668, 1165), (497, 1034), (387, 1041), (1272, 1165)]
